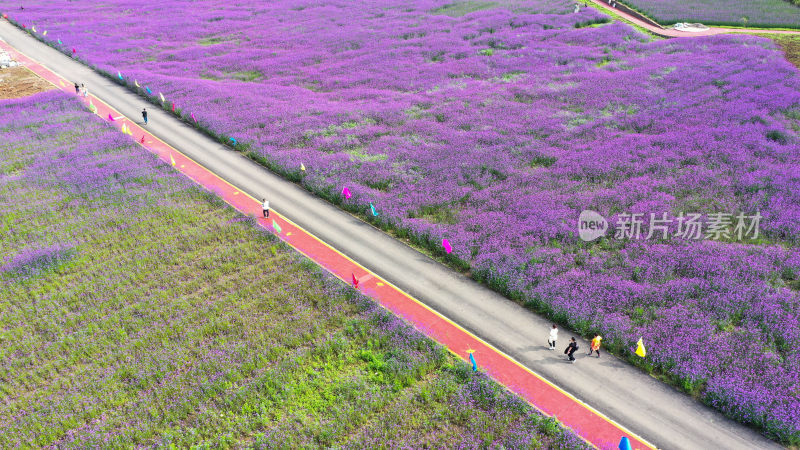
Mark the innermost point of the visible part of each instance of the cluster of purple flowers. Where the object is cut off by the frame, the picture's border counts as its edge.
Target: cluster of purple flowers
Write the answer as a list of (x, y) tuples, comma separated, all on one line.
[(495, 128)]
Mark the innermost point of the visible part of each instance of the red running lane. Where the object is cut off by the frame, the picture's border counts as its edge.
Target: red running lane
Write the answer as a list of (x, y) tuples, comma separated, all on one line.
[(588, 423)]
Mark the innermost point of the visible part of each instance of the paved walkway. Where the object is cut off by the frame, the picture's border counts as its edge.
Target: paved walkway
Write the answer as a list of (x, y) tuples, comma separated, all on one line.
[(509, 341), (669, 32)]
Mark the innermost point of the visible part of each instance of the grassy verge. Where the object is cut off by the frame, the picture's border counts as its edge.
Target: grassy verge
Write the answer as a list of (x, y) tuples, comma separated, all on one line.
[(141, 311)]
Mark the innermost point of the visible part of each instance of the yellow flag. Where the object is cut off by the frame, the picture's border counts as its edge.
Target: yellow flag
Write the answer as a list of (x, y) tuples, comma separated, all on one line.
[(640, 350), (62, 83), (172, 159), (302, 167), (162, 97), (45, 33), (34, 29), (136, 83), (124, 129)]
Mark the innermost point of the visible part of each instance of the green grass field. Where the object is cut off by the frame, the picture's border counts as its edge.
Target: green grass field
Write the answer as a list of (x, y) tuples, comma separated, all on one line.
[(138, 310)]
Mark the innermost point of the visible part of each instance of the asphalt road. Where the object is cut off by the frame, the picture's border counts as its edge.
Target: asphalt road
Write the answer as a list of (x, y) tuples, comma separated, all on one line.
[(655, 411)]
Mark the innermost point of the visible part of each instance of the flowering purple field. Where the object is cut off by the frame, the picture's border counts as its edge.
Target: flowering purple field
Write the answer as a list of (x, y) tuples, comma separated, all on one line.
[(761, 13), (494, 124), (139, 311)]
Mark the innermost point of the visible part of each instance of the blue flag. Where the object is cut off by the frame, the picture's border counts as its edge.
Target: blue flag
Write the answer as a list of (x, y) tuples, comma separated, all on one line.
[(149, 91), (234, 141), (119, 75), (474, 364), (59, 42), (372, 207)]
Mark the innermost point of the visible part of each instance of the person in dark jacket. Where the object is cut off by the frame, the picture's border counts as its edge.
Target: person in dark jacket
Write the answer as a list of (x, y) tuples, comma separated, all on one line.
[(571, 349)]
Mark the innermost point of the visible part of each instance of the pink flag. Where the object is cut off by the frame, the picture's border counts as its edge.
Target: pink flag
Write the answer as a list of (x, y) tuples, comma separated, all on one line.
[(193, 118), (74, 51), (110, 117), (173, 106), (446, 245), (346, 193)]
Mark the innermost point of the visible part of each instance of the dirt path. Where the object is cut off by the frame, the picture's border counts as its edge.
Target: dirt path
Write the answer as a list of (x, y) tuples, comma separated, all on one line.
[(19, 81)]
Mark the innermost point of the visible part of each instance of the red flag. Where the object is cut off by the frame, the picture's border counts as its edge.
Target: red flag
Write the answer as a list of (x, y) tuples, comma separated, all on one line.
[(23, 26), (355, 281), (142, 139), (110, 117), (74, 51), (173, 106)]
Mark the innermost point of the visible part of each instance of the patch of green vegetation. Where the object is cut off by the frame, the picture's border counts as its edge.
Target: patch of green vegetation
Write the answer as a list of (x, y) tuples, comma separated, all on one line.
[(247, 75), (458, 9), (357, 153), (212, 40), (542, 161), (438, 213)]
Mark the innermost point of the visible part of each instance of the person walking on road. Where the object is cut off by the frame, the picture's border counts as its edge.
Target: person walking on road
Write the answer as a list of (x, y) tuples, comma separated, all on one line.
[(77, 88), (595, 347), (265, 207), (144, 115), (571, 349), (553, 336), (84, 91)]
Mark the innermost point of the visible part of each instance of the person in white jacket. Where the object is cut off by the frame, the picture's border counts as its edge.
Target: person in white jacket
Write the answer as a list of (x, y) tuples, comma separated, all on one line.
[(265, 207), (553, 337)]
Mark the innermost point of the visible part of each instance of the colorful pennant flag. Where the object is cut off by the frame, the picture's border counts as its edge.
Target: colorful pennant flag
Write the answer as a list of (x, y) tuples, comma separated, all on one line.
[(141, 141), (136, 83), (45, 33), (162, 97), (110, 117), (447, 247), (193, 118), (62, 83), (59, 41), (92, 108), (302, 167), (74, 51), (472, 360), (355, 281), (372, 207), (119, 75), (148, 90), (346, 192), (171, 159), (640, 350), (234, 141), (33, 28), (276, 227), (124, 129), (173, 106)]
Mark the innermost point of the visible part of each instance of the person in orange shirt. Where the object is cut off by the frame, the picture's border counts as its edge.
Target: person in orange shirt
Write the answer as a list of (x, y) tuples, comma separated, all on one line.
[(595, 347)]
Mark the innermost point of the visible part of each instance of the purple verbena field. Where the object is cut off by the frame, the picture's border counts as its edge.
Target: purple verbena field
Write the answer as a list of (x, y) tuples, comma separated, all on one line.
[(139, 311), (494, 124), (760, 13)]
